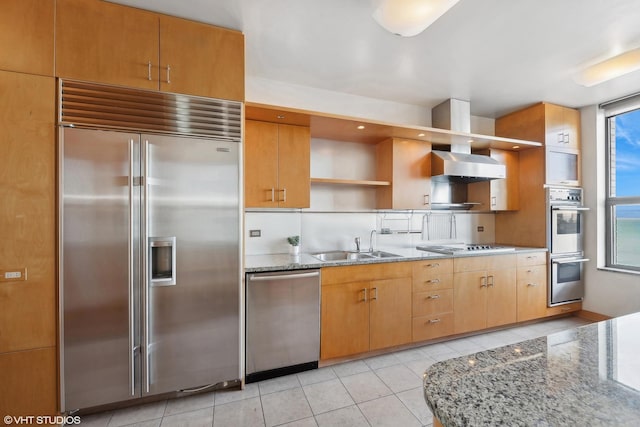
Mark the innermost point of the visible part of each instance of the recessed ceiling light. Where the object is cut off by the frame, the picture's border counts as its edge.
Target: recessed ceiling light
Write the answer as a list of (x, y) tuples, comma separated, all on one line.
[(515, 147), (470, 141), (421, 134), (361, 127)]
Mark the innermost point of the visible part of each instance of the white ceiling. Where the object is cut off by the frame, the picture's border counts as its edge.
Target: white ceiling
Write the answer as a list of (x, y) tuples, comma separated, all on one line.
[(498, 54)]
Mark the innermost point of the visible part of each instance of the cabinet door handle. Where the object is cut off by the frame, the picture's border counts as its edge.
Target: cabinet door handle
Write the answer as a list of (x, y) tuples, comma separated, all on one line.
[(273, 195), (364, 299), (426, 199), (433, 297), (560, 137), (490, 281), (149, 71), (434, 265), (432, 281), (493, 201), (532, 284), (284, 195), (169, 74), (434, 321), (374, 294), (483, 282), (566, 138)]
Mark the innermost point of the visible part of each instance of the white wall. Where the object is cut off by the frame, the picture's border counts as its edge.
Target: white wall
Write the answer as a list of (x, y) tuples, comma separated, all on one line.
[(607, 292)]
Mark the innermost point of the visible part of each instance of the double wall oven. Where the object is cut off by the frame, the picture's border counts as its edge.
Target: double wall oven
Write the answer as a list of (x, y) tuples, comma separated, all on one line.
[(565, 235)]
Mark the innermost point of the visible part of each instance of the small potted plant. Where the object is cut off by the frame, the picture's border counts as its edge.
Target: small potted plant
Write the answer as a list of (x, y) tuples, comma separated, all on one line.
[(294, 241)]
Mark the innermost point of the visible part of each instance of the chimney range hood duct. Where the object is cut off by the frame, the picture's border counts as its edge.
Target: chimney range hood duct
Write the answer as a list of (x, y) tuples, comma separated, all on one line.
[(459, 165)]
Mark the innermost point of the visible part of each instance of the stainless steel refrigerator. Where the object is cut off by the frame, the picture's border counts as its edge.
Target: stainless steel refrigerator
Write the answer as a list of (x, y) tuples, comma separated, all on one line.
[(149, 261)]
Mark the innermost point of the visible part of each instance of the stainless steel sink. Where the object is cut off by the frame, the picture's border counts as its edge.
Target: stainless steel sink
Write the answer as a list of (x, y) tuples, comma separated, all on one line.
[(383, 254), (352, 256), (342, 256)]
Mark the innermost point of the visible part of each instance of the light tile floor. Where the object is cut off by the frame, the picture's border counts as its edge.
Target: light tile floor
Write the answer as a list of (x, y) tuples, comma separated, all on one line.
[(378, 391)]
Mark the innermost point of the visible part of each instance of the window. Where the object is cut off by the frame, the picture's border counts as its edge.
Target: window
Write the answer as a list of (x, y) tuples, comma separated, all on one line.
[(623, 185)]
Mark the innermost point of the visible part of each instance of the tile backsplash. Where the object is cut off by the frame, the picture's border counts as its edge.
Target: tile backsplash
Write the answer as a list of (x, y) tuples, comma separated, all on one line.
[(321, 231)]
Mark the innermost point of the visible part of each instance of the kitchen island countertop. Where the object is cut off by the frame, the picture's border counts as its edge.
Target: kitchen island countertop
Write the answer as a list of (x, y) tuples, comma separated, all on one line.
[(284, 262), (586, 376)]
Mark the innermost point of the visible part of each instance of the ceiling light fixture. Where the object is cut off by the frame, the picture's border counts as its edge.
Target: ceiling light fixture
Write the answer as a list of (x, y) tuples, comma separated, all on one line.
[(361, 127), (408, 18), (609, 69), (421, 134)]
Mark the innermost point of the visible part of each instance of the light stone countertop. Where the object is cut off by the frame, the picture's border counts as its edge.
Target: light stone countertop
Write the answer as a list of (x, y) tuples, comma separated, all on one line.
[(588, 376), (284, 262)]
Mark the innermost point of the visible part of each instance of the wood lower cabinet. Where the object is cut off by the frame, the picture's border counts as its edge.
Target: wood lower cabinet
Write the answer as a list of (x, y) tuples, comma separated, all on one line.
[(364, 307), (432, 299), (532, 286), (345, 320), (26, 36), (276, 165), (108, 43), (407, 165), (484, 292)]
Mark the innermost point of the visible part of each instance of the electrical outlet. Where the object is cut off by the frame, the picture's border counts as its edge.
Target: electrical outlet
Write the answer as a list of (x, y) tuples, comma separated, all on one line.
[(480, 229), (17, 274), (255, 233)]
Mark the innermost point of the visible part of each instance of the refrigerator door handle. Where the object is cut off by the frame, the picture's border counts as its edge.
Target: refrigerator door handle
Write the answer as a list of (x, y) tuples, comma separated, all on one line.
[(145, 265), (132, 346)]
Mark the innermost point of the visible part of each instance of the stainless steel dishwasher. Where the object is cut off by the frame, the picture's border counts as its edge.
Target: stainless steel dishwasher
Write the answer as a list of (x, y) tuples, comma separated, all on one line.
[(283, 323)]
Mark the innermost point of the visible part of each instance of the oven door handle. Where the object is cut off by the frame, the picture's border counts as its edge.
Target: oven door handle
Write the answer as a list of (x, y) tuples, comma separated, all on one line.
[(568, 208), (568, 261)]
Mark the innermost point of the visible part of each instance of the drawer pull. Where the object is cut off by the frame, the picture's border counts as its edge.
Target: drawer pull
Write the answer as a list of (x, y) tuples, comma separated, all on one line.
[(365, 295), (532, 284), (434, 321), (434, 265), (532, 257), (433, 297), (433, 281)]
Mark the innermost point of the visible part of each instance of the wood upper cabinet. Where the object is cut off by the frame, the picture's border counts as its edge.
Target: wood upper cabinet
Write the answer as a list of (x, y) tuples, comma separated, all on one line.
[(200, 59), (550, 124), (26, 36), (276, 165), (407, 165), (109, 43), (562, 126), (484, 292), (498, 194), (364, 307)]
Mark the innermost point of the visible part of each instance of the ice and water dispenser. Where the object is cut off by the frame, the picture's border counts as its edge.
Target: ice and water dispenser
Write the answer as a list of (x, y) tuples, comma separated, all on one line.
[(162, 261)]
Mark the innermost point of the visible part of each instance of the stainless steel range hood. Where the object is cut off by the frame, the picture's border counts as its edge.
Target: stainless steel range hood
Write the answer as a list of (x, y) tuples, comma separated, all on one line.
[(462, 167), (459, 165)]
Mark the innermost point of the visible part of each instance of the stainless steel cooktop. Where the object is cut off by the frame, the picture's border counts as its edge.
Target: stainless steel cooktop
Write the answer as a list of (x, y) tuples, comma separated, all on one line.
[(461, 249)]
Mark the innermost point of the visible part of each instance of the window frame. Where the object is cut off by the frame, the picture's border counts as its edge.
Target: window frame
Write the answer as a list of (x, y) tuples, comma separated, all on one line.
[(612, 110)]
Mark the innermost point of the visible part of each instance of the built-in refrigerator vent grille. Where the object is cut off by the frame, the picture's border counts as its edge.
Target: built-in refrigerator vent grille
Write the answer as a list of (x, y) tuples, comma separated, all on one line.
[(90, 104)]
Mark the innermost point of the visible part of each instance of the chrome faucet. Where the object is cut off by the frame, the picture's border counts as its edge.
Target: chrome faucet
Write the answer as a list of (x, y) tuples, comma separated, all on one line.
[(373, 233), (357, 240)]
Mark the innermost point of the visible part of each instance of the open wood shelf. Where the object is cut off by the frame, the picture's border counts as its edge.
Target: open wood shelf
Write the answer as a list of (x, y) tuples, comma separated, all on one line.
[(350, 182)]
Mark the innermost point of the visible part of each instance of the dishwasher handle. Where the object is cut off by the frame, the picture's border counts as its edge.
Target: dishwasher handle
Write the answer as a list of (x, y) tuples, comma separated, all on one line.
[(258, 278)]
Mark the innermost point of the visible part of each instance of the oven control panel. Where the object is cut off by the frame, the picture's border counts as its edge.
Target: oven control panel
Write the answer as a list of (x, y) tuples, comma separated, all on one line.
[(565, 196)]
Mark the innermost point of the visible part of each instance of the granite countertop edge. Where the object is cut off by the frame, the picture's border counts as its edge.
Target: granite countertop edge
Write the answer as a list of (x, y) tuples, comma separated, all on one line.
[(305, 261)]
